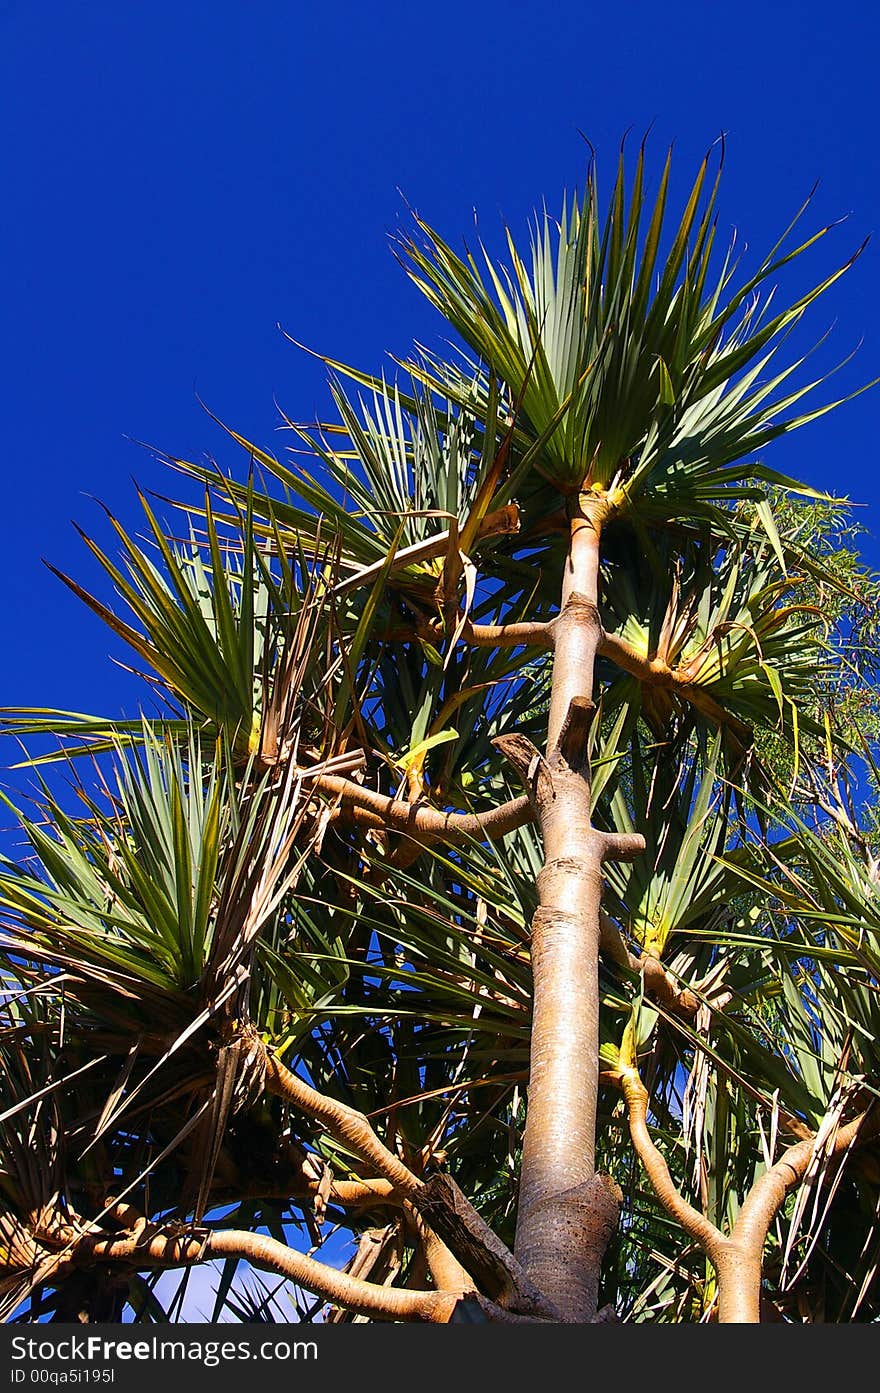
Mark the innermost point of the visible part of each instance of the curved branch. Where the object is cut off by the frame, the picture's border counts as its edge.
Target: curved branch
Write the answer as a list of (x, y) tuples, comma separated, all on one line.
[(531, 634), (150, 1246), (738, 1258), (365, 1298), (353, 1129), (660, 985), (343, 1123), (740, 1268), (396, 814), (763, 1201), (695, 1224)]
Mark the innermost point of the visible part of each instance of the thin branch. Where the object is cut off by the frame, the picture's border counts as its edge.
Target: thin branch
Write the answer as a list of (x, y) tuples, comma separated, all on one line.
[(530, 634), (767, 1194), (502, 522), (660, 985), (347, 1194), (396, 814), (364, 1298), (710, 1238), (343, 1123)]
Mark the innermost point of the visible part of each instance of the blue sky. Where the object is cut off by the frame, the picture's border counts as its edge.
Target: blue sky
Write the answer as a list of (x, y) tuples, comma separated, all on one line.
[(180, 178)]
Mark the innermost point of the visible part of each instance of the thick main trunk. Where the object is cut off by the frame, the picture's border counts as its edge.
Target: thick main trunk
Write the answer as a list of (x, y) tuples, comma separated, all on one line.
[(566, 1212)]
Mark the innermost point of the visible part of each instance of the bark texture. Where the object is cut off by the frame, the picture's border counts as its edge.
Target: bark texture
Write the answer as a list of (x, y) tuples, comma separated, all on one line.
[(740, 1265), (566, 1211)]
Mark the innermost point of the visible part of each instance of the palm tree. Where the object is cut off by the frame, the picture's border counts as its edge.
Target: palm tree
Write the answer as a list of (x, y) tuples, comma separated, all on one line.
[(484, 856)]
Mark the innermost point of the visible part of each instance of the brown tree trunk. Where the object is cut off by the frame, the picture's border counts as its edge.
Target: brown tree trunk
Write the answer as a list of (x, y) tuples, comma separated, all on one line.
[(566, 1212), (739, 1270)]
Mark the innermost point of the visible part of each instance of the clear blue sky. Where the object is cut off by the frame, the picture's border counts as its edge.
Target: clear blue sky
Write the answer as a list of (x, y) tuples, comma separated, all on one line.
[(178, 178)]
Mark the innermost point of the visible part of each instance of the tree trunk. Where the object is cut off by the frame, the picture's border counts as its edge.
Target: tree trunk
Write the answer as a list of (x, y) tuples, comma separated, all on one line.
[(739, 1285), (566, 1212)]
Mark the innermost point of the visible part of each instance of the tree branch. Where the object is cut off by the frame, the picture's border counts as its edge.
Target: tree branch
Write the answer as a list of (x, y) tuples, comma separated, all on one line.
[(396, 814), (347, 1194), (740, 1264), (453, 1218), (365, 1298), (767, 1194), (499, 523), (344, 1123), (455, 1223), (151, 1246), (659, 983), (445, 1269), (622, 846), (710, 1239), (654, 672), (531, 634)]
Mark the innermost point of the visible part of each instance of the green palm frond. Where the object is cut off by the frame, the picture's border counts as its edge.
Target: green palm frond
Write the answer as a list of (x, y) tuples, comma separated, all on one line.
[(743, 648), (391, 461), (126, 893), (655, 371), (228, 629), (683, 813)]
